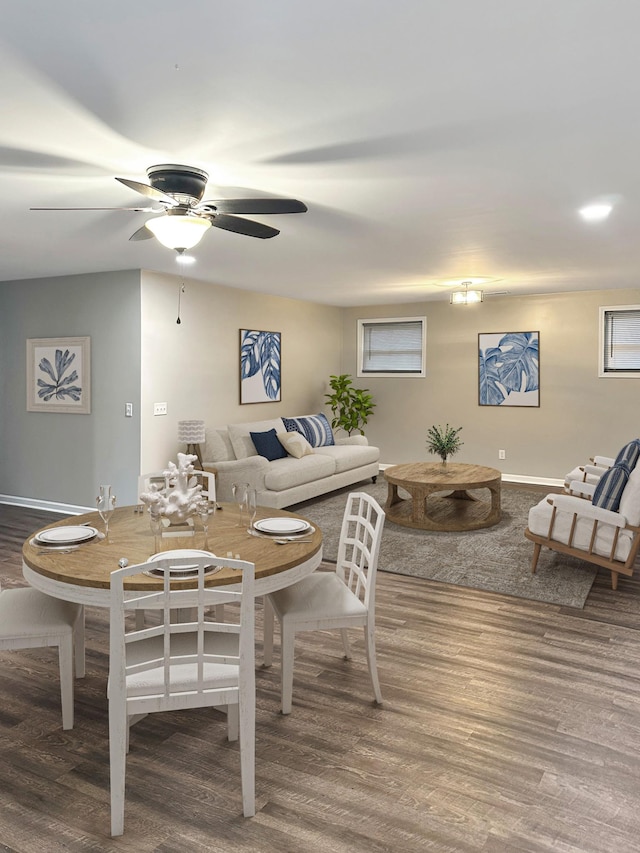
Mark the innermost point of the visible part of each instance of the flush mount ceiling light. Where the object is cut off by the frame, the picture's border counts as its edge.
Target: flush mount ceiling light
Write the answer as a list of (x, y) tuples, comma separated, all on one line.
[(466, 296), (596, 212), (178, 230)]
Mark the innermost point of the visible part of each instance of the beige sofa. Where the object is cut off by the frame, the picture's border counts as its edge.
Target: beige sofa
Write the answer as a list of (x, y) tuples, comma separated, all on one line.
[(231, 453)]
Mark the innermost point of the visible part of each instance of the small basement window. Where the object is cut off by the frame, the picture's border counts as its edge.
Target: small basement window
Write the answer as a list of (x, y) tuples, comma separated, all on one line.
[(392, 346), (620, 341)]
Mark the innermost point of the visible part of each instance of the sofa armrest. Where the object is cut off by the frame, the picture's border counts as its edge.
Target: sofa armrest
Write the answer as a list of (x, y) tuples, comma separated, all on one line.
[(251, 470), (352, 439), (569, 503)]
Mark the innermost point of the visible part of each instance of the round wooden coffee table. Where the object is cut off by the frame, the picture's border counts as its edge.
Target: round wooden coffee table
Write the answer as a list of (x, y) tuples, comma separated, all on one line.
[(427, 509)]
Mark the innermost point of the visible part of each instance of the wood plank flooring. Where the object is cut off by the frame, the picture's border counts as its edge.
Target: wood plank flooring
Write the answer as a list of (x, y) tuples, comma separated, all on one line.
[(508, 725)]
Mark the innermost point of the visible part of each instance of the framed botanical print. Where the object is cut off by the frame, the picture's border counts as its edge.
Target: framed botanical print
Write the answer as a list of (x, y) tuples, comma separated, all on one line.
[(59, 375), (260, 366), (509, 369)]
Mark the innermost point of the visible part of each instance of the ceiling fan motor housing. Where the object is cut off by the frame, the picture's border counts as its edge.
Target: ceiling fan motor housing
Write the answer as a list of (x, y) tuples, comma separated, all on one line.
[(184, 183)]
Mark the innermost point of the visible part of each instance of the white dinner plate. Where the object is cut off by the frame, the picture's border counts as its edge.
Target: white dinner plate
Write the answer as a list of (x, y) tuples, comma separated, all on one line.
[(69, 535), (282, 526), (178, 555)]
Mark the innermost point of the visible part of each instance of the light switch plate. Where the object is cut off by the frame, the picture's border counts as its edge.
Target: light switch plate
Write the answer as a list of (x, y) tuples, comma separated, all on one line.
[(128, 410)]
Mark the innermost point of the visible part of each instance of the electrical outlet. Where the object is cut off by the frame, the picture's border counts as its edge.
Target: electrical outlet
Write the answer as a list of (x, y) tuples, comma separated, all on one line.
[(128, 410), (502, 454), (159, 408)]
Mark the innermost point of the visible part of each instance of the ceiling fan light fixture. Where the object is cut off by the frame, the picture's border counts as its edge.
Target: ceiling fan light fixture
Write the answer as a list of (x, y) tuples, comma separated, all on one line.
[(178, 231), (466, 296)]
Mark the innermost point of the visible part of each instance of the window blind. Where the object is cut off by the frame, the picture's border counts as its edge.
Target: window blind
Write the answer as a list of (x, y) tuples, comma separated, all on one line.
[(393, 347), (622, 341)]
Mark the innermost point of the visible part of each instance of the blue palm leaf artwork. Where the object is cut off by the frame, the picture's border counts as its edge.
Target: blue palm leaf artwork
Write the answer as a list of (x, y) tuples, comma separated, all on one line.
[(260, 363), (509, 369), (57, 385)]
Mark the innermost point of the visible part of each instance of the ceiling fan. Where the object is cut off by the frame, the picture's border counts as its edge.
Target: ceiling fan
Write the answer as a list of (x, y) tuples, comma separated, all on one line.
[(184, 217)]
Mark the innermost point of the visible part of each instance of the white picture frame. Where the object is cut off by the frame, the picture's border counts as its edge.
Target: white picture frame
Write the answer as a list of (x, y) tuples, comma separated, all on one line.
[(59, 375)]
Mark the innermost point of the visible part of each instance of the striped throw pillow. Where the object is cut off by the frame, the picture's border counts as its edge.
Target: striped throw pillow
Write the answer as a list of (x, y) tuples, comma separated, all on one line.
[(315, 428), (610, 487), (629, 454)]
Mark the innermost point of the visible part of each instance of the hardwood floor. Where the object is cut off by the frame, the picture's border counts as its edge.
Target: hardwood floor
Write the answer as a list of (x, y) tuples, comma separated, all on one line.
[(508, 725)]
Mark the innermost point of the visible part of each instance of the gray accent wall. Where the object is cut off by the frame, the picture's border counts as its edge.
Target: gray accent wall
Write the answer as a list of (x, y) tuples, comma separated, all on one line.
[(62, 458)]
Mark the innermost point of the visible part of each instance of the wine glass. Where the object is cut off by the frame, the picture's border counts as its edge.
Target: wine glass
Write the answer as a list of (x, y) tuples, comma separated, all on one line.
[(106, 503), (239, 491), (155, 521), (252, 506), (204, 510)]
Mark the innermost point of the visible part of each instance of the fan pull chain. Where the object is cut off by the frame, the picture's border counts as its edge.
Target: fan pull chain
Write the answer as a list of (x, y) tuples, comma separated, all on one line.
[(180, 292)]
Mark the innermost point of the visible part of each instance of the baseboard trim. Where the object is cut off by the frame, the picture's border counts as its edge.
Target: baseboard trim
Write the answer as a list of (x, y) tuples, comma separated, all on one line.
[(70, 509), (45, 506), (511, 478)]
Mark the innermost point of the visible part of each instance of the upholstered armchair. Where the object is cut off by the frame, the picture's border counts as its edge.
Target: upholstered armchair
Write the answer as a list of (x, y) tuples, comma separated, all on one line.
[(604, 530)]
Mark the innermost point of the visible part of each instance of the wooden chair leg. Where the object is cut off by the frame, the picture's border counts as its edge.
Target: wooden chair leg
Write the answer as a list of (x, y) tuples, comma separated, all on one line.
[(536, 553), (267, 633), (78, 646), (370, 649), (118, 734), (233, 722), (614, 580), (346, 645), (65, 660), (248, 756), (287, 640)]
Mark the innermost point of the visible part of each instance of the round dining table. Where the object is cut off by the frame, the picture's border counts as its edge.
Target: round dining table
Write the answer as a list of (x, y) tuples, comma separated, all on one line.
[(81, 573)]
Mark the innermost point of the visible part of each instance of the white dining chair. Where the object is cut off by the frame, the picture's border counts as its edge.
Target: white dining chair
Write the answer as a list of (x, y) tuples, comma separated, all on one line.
[(29, 619), (182, 664), (333, 600)]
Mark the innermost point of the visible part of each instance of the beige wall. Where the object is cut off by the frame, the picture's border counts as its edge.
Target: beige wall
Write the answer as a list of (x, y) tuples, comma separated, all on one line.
[(579, 415), (194, 366)]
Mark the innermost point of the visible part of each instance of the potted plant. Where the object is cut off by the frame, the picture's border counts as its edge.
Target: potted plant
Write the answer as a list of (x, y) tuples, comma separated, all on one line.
[(445, 442), (351, 406)]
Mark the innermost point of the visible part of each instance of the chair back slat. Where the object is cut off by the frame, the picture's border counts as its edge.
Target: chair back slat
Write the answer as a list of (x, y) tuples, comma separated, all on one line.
[(359, 547), (181, 657)]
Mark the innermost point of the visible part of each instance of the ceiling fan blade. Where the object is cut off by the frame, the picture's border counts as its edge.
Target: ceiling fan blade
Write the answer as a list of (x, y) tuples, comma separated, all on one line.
[(150, 192), (256, 205), (243, 226), (136, 209), (142, 233)]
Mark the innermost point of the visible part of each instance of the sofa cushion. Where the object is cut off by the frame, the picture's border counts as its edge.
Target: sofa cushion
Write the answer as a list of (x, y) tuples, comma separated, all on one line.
[(267, 445), (315, 428), (240, 435), (610, 487), (349, 456), (295, 444), (218, 447), (287, 473)]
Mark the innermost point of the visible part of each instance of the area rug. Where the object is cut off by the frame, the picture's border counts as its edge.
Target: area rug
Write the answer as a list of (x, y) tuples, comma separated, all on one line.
[(497, 558)]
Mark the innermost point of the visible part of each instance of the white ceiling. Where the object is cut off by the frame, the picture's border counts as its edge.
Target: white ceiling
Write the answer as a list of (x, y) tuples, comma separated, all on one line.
[(432, 140)]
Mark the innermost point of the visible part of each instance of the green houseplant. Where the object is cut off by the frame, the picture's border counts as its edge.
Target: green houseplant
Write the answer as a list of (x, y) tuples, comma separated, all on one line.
[(351, 406), (444, 441)]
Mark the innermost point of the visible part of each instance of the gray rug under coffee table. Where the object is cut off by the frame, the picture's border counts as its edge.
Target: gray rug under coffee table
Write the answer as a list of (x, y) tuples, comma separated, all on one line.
[(497, 559)]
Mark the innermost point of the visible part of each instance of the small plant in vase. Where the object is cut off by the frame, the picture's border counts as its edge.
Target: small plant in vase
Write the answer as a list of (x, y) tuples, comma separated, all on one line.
[(445, 442)]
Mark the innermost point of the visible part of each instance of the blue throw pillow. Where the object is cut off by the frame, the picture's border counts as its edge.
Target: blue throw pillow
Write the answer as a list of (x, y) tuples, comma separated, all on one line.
[(610, 487), (315, 428), (267, 445), (629, 454)]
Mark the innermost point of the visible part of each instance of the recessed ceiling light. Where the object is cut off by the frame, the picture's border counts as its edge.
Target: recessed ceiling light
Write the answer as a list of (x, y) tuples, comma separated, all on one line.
[(596, 212)]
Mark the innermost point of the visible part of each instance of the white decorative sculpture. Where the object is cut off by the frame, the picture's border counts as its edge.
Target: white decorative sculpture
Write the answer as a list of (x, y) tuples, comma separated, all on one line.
[(179, 496)]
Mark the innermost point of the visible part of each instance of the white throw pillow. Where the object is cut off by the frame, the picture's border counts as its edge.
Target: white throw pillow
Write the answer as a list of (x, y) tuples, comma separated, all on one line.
[(295, 444)]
